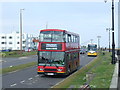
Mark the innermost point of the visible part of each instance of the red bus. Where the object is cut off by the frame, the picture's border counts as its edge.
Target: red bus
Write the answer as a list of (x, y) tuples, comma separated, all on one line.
[(58, 52)]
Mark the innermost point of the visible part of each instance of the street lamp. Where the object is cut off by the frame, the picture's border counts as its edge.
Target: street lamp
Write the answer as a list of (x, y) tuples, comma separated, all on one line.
[(98, 41), (108, 29), (91, 40), (46, 25), (21, 29), (113, 42)]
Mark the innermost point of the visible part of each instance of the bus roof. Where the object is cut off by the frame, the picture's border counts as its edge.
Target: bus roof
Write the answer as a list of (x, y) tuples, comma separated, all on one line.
[(52, 30), (92, 44), (60, 31)]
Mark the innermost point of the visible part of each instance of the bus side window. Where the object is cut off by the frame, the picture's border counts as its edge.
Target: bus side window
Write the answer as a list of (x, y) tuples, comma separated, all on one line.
[(69, 38), (66, 56), (76, 39), (75, 55), (66, 37), (72, 38), (69, 56)]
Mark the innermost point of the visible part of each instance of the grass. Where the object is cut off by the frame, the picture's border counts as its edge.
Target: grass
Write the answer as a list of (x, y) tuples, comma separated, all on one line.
[(100, 67), (17, 54), (103, 73), (15, 68)]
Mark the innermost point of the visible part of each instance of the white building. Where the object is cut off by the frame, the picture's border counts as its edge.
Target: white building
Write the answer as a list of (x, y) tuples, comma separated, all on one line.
[(119, 24), (12, 41)]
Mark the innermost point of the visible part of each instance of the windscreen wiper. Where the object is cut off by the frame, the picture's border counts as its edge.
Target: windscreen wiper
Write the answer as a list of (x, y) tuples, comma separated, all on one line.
[(55, 64), (45, 62)]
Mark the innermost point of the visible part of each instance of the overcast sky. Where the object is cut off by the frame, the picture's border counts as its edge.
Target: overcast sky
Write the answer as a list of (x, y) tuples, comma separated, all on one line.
[(88, 19)]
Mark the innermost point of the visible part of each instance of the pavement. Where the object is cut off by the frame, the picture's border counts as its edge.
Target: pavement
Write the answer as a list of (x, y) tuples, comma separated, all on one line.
[(115, 83), (118, 58), (118, 72)]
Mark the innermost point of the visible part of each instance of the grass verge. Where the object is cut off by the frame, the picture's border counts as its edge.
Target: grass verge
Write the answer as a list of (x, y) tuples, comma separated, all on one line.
[(103, 73), (100, 67), (17, 54), (15, 68)]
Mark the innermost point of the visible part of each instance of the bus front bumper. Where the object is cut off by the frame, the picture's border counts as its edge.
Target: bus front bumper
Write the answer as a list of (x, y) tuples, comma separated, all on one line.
[(92, 54), (52, 73)]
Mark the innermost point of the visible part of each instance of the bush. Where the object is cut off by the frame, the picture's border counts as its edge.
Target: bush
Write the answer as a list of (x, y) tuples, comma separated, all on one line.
[(2, 55), (12, 53)]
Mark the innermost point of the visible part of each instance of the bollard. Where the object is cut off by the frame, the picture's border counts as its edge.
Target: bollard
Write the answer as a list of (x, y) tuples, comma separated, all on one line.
[(103, 53)]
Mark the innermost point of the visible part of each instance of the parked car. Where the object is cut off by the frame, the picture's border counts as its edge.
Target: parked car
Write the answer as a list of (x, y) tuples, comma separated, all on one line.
[(28, 49), (6, 50), (82, 51)]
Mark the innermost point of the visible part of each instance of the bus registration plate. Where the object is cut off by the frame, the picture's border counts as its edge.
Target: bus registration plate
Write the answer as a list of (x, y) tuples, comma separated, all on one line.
[(50, 73)]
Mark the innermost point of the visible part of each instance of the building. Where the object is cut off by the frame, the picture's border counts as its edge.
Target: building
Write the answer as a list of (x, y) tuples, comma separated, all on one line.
[(119, 24), (12, 41), (35, 42)]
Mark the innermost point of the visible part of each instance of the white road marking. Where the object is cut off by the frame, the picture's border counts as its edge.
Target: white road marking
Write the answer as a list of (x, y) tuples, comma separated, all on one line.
[(30, 78), (37, 76), (2, 61), (11, 66), (23, 57), (13, 85), (83, 56), (22, 81)]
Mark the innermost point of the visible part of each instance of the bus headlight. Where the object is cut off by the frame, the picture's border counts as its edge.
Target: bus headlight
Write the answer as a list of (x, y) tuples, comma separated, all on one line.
[(59, 69), (41, 69)]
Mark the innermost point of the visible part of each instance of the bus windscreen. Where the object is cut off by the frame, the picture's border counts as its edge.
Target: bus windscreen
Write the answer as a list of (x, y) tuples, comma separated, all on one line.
[(51, 36), (51, 58), (92, 47)]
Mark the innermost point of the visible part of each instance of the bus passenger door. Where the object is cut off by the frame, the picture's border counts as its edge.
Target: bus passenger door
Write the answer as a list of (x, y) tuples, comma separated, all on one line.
[(67, 63)]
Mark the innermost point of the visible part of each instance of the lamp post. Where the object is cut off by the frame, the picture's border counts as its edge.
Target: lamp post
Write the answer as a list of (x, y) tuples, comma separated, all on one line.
[(21, 29), (46, 25), (98, 41), (113, 42), (108, 29), (91, 40)]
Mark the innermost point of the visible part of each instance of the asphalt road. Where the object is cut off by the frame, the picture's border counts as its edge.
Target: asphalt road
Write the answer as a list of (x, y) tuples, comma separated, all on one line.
[(7, 62), (28, 78)]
